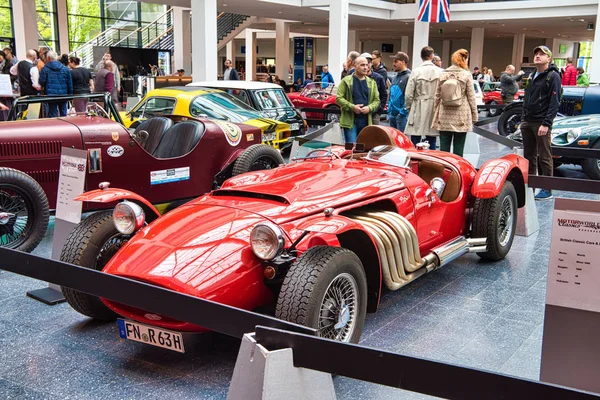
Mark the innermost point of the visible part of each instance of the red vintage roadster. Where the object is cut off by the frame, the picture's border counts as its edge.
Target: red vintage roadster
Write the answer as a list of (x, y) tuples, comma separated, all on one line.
[(167, 160), (317, 95), (494, 97), (318, 238)]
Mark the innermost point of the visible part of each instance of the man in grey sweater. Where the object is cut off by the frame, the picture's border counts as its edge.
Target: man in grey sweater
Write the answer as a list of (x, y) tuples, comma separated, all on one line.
[(508, 84)]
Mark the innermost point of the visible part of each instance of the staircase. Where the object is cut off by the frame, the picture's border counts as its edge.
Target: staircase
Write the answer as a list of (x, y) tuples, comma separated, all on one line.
[(158, 34)]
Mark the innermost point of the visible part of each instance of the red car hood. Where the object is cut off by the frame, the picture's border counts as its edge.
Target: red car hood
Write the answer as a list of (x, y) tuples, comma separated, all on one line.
[(295, 190), (198, 250)]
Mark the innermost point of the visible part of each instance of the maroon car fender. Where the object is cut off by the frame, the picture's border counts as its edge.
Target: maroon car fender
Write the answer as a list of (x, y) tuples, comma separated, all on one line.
[(110, 195), (491, 177), (338, 230)]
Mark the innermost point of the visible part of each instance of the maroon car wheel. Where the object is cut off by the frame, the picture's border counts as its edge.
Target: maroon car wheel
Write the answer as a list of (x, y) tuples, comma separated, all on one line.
[(91, 244), (326, 289), (24, 211), (257, 157)]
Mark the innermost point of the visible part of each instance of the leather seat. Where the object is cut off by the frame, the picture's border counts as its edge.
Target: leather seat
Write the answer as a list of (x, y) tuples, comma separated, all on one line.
[(374, 135), (156, 128), (180, 139)]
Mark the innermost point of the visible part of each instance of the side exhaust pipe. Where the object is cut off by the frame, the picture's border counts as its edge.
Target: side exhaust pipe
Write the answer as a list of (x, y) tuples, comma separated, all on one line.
[(398, 248)]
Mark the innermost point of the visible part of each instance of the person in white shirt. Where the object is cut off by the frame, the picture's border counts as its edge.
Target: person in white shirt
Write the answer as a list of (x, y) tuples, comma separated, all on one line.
[(28, 74)]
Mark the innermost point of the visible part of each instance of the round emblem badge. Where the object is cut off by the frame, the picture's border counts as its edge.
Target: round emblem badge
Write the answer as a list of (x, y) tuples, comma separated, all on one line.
[(232, 132)]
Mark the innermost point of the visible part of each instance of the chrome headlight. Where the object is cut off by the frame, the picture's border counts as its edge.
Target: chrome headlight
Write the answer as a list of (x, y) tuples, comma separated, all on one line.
[(266, 240), (128, 217), (573, 134)]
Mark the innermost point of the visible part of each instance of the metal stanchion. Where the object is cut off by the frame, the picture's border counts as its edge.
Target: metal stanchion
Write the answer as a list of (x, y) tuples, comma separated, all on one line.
[(261, 374)]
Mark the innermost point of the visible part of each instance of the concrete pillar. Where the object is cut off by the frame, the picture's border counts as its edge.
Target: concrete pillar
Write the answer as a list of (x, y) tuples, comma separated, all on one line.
[(550, 42), (182, 54), (230, 51), (25, 26), (63, 23), (595, 63), (282, 49), (338, 37), (250, 54), (420, 40), (404, 44), (445, 55), (518, 48), (353, 43), (204, 45), (476, 53)]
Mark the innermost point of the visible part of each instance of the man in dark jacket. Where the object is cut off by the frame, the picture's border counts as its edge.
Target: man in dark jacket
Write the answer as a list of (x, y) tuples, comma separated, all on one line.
[(56, 80), (569, 78), (508, 84), (540, 106), (381, 88), (378, 65)]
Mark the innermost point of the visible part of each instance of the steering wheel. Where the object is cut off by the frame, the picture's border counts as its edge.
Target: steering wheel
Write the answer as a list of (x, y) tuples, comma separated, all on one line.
[(96, 109)]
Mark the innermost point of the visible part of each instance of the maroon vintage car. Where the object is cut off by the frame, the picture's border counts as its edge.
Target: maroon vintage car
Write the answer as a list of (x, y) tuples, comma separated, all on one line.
[(317, 95), (167, 160)]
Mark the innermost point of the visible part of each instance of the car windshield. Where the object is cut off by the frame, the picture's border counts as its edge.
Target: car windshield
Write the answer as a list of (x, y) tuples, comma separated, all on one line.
[(317, 88), (271, 98), (221, 105), (155, 107), (313, 149), (390, 155)]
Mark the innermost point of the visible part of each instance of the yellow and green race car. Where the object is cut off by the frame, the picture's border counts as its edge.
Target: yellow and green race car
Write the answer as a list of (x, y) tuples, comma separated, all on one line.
[(206, 103)]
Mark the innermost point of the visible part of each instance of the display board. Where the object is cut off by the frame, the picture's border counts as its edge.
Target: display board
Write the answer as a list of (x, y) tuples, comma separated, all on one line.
[(570, 347)]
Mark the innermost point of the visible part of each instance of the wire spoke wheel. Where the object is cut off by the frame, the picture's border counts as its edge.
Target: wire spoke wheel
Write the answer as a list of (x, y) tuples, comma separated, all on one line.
[(337, 316), (16, 211), (505, 221)]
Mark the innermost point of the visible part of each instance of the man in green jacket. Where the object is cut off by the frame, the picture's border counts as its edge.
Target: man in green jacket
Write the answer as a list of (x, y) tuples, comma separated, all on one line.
[(358, 98)]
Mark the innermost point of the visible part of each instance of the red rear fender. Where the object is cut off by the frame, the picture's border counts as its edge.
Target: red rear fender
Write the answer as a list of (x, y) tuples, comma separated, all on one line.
[(491, 177), (109, 195)]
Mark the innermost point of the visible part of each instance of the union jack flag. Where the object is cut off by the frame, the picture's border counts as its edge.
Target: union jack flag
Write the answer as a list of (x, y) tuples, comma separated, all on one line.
[(434, 11)]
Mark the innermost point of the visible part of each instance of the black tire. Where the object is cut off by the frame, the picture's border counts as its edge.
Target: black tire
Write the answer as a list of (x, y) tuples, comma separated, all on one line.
[(24, 209), (496, 220), (509, 120), (492, 112), (591, 166), (91, 244), (306, 285), (331, 117), (257, 157)]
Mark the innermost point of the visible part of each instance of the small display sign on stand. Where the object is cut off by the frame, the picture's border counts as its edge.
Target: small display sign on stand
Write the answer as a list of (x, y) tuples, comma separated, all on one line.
[(71, 183), (570, 347)]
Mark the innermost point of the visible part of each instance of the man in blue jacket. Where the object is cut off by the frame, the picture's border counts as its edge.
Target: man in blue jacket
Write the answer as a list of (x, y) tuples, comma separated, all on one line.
[(326, 76), (397, 105), (56, 79)]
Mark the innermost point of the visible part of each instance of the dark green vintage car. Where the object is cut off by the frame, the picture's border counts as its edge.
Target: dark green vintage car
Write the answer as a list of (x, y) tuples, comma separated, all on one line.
[(581, 132)]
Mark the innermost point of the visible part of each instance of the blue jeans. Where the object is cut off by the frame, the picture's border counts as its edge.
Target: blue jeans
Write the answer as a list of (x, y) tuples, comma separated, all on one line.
[(399, 122), (55, 108), (350, 134), (431, 139)]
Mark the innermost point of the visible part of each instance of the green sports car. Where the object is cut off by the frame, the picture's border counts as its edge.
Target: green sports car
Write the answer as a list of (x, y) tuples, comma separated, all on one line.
[(583, 132)]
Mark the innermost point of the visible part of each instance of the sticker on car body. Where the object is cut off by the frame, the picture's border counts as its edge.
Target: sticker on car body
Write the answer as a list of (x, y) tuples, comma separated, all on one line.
[(115, 151), (249, 137), (232, 132), (169, 175), (115, 136)]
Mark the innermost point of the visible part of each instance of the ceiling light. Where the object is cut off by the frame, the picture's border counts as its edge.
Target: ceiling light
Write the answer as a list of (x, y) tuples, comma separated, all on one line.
[(224, 5), (457, 30)]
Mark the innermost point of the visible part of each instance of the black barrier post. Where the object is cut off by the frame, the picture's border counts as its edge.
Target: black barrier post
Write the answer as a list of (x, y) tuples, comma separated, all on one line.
[(182, 307), (410, 373)]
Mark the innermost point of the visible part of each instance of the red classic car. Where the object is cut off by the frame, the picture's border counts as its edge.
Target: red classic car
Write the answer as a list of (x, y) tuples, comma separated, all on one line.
[(494, 97), (318, 238), (317, 95), (165, 160)]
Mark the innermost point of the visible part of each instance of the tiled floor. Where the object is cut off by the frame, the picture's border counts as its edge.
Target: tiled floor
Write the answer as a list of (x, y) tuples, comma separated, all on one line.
[(476, 314)]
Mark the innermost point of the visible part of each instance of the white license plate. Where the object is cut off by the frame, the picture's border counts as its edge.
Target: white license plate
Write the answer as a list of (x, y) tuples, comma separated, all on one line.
[(151, 335), (266, 137), (294, 127)]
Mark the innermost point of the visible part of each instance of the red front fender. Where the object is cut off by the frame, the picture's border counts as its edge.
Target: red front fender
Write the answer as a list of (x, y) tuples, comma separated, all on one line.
[(491, 177), (110, 195)]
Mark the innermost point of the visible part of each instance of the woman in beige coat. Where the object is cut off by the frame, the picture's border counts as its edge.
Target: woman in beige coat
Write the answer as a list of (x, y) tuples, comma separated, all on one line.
[(420, 97), (454, 122)]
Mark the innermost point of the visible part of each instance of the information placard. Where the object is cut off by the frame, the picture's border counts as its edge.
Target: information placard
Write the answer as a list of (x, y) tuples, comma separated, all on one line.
[(5, 86), (574, 268), (71, 182)]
